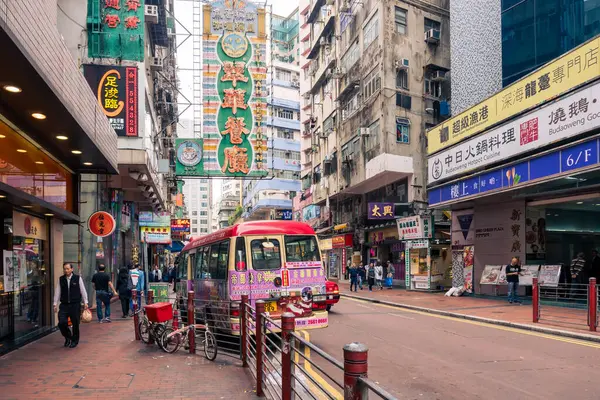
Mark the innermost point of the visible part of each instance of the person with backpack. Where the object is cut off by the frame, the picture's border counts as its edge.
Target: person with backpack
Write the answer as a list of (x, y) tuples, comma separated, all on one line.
[(137, 283), (124, 286)]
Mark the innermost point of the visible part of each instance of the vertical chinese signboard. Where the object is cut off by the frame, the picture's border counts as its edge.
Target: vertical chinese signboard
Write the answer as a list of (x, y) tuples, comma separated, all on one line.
[(116, 29), (234, 82), (116, 90)]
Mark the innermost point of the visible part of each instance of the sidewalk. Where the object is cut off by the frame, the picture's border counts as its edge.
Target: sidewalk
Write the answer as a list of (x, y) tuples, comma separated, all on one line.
[(109, 363), (498, 309)]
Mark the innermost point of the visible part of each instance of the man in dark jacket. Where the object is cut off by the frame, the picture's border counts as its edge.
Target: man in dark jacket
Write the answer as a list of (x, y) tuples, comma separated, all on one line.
[(70, 290)]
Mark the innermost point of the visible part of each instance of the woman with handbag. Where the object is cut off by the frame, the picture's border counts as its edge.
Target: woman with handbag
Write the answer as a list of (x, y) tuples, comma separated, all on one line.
[(124, 286)]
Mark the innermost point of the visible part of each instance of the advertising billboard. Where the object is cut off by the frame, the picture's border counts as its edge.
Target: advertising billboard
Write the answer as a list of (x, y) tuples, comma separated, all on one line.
[(235, 97), (116, 90), (558, 77)]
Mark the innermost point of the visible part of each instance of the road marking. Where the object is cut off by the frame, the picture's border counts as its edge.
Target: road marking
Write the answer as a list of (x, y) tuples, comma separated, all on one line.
[(488, 325), (334, 393), (400, 316)]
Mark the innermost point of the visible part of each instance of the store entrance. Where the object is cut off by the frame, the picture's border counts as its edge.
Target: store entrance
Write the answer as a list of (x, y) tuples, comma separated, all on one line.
[(558, 230)]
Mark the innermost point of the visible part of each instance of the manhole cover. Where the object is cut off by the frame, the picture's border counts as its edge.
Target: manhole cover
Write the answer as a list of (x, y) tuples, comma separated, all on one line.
[(104, 381)]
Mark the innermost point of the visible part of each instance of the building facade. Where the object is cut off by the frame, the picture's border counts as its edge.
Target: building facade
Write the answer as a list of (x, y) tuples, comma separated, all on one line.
[(55, 138), (374, 79), (197, 199), (271, 198)]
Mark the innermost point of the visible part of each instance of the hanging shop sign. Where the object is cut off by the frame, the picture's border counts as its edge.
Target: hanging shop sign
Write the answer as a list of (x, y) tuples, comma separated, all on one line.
[(101, 224), (148, 218), (326, 244), (189, 155), (566, 161), (235, 90), (28, 226), (556, 78), (116, 90), (155, 235), (571, 116), (417, 244), (381, 211), (180, 227), (415, 227), (381, 235), (342, 241), (283, 215), (117, 29)]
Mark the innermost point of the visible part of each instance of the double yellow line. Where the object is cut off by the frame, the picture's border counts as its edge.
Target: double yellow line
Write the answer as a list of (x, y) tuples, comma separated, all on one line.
[(324, 385)]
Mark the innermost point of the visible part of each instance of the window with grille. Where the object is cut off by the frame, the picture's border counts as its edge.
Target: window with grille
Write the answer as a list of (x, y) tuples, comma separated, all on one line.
[(402, 130), (372, 84), (371, 31), (402, 79), (400, 20)]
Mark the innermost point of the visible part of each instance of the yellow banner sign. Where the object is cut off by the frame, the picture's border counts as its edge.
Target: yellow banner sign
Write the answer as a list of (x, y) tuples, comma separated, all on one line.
[(558, 77)]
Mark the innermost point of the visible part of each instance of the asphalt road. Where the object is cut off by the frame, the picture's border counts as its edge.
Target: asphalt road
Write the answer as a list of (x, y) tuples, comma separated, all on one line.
[(420, 356)]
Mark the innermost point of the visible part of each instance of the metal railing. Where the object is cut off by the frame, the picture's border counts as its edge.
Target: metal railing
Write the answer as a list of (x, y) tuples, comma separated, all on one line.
[(570, 304), (284, 369)]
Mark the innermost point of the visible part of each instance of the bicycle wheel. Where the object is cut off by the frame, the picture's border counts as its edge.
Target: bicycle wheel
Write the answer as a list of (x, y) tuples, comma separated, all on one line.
[(170, 344), (144, 331), (210, 345), (157, 333)]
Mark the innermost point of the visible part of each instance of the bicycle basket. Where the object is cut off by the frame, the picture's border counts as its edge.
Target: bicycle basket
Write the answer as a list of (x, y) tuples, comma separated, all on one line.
[(159, 312)]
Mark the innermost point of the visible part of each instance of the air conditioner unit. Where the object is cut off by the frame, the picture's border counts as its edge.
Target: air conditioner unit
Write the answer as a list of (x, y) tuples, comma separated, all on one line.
[(364, 132), (438, 76), (323, 41), (156, 63), (151, 14), (401, 64), (432, 36)]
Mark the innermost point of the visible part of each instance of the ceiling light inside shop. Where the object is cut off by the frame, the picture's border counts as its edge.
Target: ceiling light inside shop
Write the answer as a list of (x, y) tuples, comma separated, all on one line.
[(39, 162), (2, 136), (580, 202), (62, 137), (2, 196), (556, 215), (49, 215), (21, 151), (27, 206), (76, 151), (87, 164), (38, 116), (12, 89)]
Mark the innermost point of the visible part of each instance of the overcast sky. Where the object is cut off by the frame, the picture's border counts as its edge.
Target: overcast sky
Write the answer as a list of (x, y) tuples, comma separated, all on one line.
[(185, 23)]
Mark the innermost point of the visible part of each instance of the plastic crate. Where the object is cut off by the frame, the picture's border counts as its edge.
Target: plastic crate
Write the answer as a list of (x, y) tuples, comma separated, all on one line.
[(159, 312)]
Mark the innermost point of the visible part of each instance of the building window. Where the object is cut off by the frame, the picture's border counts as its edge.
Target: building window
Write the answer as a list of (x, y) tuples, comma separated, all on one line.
[(204, 204), (431, 24), (203, 222), (203, 180), (329, 124), (400, 21), (402, 79), (286, 114), (205, 196), (194, 230), (351, 56), (194, 221), (372, 141), (203, 230), (203, 213), (351, 106), (287, 154), (402, 130), (371, 31), (203, 189), (433, 88), (283, 75), (194, 213), (372, 84)]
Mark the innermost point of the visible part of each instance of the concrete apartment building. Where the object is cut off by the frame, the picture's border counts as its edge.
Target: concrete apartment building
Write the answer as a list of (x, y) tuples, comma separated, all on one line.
[(374, 79), (271, 198)]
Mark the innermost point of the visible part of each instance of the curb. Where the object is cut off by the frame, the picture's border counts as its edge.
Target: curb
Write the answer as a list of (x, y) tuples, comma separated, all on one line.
[(525, 327)]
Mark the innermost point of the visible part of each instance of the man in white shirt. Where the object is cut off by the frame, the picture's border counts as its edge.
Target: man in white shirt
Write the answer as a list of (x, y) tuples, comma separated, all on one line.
[(70, 291)]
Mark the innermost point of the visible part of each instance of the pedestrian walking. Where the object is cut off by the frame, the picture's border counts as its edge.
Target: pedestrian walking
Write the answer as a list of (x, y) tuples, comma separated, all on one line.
[(379, 275), (124, 286), (156, 275), (390, 275), (362, 275), (354, 274), (138, 283), (513, 270), (70, 291), (595, 265), (104, 293), (578, 272), (371, 276)]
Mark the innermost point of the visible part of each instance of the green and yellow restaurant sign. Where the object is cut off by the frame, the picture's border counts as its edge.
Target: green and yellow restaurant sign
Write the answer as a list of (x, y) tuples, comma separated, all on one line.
[(116, 29), (235, 106)]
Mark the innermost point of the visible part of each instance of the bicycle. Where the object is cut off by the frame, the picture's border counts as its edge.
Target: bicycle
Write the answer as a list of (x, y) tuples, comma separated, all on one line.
[(173, 339), (149, 330)]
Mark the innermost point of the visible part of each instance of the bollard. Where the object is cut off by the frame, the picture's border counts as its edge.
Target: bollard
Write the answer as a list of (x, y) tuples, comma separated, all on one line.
[(535, 303), (355, 366), (244, 330), (191, 322), (287, 327), (260, 342), (150, 297), (136, 318), (592, 305)]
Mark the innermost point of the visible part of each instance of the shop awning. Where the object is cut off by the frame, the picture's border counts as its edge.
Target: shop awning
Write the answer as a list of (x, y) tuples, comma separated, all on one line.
[(175, 247)]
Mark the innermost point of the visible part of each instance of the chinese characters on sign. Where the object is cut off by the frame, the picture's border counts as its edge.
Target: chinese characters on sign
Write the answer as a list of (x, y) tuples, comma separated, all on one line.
[(415, 227), (568, 117), (180, 228), (116, 90), (381, 210), (155, 235), (226, 16), (569, 71), (101, 224)]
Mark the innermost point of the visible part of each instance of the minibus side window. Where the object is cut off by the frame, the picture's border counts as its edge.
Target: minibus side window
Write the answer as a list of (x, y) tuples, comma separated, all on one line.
[(240, 254)]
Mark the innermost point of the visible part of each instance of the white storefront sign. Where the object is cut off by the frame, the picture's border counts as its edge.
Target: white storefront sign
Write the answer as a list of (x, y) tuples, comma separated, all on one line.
[(29, 226), (571, 116)]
